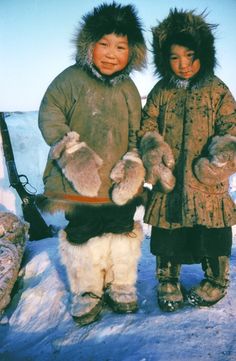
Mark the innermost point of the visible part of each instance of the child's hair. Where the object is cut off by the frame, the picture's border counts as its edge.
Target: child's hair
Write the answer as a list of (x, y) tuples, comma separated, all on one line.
[(113, 18)]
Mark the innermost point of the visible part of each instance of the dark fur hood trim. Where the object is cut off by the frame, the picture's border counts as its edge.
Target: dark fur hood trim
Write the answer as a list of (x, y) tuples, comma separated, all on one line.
[(180, 24), (106, 19)]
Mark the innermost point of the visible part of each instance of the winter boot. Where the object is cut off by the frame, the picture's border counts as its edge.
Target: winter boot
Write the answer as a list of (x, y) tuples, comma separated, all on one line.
[(169, 293), (85, 266), (86, 308), (125, 252), (214, 286)]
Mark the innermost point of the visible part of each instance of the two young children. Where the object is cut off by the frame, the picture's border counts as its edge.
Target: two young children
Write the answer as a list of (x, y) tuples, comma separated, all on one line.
[(99, 160)]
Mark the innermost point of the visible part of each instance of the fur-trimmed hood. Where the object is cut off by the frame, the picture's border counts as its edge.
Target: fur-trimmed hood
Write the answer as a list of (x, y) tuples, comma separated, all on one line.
[(107, 19), (184, 27)]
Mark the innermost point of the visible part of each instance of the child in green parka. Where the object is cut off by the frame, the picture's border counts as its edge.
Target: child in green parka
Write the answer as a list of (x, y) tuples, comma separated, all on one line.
[(89, 116), (188, 146)]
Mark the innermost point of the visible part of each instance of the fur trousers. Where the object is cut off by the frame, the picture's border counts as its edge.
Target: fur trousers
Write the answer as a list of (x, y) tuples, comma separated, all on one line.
[(110, 259)]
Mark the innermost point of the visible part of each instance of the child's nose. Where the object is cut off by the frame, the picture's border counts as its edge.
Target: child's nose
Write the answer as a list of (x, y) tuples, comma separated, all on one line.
[(110, 52), (185, 62)]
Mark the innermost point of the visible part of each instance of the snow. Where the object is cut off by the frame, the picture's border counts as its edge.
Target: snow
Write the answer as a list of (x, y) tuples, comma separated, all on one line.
[(37, 325)]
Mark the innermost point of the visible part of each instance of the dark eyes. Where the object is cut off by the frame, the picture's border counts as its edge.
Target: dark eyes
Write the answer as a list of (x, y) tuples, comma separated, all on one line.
[(189, 55), (119, 47), (103, 43)]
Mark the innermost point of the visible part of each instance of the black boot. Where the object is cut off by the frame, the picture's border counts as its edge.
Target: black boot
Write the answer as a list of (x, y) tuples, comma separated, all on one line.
[(214, 286), (169, 294)]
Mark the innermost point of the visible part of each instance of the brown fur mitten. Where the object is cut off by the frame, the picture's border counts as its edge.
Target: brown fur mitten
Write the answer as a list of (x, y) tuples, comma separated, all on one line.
[(158, 160), (221, 162), (79, 163), (13, 237), (128, 177), (223, 150)]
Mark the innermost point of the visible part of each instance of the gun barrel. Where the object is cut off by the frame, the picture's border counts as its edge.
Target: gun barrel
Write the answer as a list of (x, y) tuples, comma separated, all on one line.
[(38, 227)]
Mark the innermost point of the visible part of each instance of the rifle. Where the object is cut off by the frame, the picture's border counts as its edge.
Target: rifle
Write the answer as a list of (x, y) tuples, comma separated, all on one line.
[(38, 228)]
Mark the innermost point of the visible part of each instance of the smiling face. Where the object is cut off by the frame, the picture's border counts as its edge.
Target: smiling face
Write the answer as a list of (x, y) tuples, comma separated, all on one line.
[(111, 54), (183, 62)]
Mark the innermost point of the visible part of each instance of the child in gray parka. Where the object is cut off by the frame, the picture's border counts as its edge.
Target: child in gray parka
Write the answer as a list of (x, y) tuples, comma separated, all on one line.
[(89, 116)]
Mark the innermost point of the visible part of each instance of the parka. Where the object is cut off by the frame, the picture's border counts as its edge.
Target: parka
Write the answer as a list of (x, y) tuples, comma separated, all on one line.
[(106, 117), (188, 114), (104, 111)]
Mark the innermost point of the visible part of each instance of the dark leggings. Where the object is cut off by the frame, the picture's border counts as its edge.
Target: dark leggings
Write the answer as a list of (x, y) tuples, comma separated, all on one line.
[(191, 245)]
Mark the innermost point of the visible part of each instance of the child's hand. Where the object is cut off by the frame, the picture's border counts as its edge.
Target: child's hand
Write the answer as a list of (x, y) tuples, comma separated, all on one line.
[(221, 162), (159, 161), (208, 173), (128, 177), (223, 150), (79, 164)]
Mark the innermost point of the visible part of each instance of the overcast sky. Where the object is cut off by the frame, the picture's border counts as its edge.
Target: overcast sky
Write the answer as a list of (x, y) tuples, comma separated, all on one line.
[(35, 38)]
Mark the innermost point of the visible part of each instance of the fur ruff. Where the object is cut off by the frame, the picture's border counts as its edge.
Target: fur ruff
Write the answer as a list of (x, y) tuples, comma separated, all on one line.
[(177, 25), (107, 19), (128, 176), (104, 260)]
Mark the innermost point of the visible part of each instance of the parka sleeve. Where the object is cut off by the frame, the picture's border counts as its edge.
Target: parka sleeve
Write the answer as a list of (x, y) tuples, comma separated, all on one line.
[(134, 108), (225, 106), (150, 114), (52, 119)]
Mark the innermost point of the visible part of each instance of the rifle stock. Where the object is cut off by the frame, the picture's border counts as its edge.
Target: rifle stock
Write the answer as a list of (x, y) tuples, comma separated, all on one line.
[(38, 228)]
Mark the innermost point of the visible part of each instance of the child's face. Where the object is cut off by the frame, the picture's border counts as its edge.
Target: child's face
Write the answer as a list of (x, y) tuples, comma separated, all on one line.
[(111, 54), (183, 62)]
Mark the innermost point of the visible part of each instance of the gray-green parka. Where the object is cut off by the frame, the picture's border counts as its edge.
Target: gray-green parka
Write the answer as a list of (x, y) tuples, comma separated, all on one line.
[(106, 117), (104, 111)]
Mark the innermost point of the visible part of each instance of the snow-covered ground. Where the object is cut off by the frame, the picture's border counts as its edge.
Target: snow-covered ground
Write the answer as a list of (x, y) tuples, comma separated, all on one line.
[(37, 326)]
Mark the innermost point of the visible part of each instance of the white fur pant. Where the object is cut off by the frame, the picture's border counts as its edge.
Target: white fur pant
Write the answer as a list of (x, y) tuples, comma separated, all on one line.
[(110, 259)]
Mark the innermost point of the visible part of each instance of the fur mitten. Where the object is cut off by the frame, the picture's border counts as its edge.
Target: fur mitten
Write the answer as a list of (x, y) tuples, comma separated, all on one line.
[(221, 162), (128, 177), (158, 160), (13, 237), (79, 164)]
